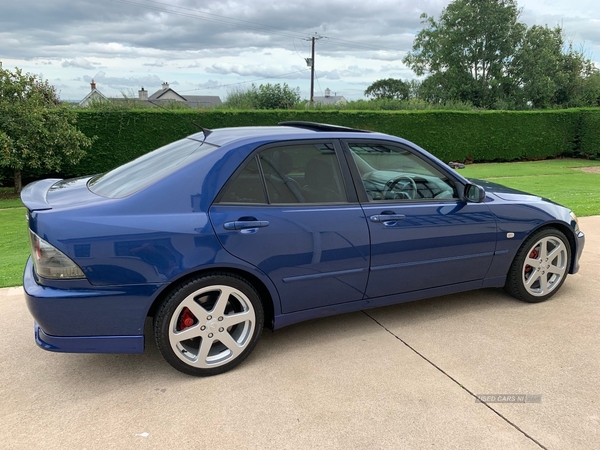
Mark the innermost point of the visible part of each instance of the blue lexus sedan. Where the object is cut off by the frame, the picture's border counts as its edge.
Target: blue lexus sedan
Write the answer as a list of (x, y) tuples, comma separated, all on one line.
[(231, 230)]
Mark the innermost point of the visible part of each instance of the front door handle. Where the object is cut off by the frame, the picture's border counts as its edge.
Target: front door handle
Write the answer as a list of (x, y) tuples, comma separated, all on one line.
[(382, 218), (245, 224)]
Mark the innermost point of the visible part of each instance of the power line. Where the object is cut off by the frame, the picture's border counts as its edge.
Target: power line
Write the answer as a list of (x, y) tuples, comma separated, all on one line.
[(240, 23), (199, 15), (347, 43), (319, 83), (226, 18), (245, 82), (192, 13)]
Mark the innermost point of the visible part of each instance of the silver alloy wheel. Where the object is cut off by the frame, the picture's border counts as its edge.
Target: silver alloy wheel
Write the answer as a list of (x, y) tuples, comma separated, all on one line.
[(545, 266), (212, 326)]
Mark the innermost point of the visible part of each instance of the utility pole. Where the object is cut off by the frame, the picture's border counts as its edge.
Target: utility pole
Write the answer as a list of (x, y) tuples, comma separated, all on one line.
[(311, 62)]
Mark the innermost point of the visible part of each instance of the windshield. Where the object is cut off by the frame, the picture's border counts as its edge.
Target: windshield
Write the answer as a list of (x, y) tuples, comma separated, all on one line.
[(147, 169)]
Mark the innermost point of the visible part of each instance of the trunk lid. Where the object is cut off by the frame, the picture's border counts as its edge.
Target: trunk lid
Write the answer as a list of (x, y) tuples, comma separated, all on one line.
[(56, 193)]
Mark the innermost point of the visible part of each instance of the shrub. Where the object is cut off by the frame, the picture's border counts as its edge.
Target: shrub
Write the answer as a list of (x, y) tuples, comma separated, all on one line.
[(450, 135)]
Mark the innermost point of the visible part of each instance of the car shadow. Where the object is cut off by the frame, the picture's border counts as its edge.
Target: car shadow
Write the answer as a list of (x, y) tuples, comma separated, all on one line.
[(275, 347)]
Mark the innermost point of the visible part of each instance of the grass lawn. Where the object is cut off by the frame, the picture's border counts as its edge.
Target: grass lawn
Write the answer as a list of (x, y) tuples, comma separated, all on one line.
[(8, 198), (14, 246), (557, 179), (14, 239)]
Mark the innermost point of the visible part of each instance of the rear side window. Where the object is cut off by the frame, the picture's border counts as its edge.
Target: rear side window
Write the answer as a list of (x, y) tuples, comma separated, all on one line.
[(302, 173), (147, 169), (247, 187)]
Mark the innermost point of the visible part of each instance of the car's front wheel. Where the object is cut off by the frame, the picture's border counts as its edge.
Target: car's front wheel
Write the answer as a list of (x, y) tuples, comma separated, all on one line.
[(209, 324), (540, 266)]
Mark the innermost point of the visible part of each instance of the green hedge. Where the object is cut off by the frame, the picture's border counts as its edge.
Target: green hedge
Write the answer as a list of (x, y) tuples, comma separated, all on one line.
[(450, 135), (588, 136), (125, 135)]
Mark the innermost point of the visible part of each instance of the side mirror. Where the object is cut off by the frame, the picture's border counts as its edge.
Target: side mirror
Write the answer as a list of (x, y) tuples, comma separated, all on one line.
[(474, 193)]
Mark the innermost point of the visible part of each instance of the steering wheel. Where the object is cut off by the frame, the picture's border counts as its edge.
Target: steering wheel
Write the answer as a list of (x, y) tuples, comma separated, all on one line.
[(403, 185)]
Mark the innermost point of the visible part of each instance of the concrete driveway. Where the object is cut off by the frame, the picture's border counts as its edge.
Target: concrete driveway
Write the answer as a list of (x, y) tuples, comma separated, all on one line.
[(404, 376)]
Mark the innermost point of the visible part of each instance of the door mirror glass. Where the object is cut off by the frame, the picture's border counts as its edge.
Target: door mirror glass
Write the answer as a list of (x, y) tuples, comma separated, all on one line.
[(474, 193)]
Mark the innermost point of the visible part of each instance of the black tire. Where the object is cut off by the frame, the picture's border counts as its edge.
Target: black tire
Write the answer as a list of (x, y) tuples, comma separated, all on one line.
[(222, 317), (540, 266)]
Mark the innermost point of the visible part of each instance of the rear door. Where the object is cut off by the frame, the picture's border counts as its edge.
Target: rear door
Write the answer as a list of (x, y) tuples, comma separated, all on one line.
[(291, 211), (423, 235)]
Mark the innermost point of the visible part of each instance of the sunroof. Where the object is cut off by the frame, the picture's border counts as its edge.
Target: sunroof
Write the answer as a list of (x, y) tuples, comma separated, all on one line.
[(320, 126)]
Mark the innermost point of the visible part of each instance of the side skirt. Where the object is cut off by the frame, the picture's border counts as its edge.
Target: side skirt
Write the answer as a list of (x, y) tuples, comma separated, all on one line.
[(283, 320)]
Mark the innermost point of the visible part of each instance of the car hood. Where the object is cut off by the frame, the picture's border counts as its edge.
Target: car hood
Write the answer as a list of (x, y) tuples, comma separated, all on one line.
[(504, 192)]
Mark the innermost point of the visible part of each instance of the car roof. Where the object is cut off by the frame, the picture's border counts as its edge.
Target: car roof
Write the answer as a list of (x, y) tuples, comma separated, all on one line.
[(285, 130)]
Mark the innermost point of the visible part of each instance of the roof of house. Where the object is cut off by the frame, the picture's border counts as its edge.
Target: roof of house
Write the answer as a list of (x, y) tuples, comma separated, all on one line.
[(160, 97), (329, 100), (202, 100), (162, 92), (94, 93)]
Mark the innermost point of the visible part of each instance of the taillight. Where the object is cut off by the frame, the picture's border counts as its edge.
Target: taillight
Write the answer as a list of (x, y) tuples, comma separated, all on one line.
[(50, 262)]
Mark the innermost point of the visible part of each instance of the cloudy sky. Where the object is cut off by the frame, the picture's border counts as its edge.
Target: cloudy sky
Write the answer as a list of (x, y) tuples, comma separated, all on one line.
[(212, 47)]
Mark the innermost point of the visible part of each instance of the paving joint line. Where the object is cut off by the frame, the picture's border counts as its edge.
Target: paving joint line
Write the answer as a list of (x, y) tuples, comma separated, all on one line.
[(516, 427)]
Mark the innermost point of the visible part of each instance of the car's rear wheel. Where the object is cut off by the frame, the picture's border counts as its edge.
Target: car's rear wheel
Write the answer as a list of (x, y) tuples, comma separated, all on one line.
[(210, 324), (540, 266)]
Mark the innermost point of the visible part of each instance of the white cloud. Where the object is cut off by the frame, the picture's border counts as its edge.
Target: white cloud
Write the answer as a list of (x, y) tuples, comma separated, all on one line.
[(208, 45), (80, 63)]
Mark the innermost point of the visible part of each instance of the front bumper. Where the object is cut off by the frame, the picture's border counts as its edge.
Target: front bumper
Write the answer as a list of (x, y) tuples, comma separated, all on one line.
[(81, 318), (579, 244)]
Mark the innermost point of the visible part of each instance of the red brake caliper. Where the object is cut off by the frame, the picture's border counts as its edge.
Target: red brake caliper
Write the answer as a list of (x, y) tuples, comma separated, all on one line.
[(533, 255), (186, 319)]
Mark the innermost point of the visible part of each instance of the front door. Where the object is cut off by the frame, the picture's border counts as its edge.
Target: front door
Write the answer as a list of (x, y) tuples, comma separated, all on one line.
[(423, 235)]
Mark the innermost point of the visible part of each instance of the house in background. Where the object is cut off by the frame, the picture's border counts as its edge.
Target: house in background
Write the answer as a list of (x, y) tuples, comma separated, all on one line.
[(329, 99), (193, 101), (161, 97), (94, 96)]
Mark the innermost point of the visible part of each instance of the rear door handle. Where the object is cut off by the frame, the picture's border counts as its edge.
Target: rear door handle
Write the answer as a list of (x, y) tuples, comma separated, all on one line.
[(382, 218), (245, 224)]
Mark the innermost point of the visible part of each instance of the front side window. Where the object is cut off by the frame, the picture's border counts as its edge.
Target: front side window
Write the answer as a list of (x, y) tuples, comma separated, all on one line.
[(389, 172), (302, 173)]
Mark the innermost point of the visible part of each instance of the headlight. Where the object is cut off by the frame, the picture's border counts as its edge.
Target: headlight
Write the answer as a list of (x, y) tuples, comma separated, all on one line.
[(50, 262), (576, 220)]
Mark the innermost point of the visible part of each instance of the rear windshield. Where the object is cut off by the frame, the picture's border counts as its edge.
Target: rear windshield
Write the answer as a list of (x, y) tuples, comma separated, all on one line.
[(147, 169)]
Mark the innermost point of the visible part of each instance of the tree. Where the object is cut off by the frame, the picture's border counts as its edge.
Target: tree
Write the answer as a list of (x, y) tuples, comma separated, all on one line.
[(390, 89), (577, 74), (276, 96), (478, 51), (590, 90), (265, 96), (35, 130), (537, 66), (469, 48)]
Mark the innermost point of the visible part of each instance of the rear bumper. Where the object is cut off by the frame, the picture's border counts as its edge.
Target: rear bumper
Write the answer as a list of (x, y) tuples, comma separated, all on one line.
[(81, 318), (88, 344)]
